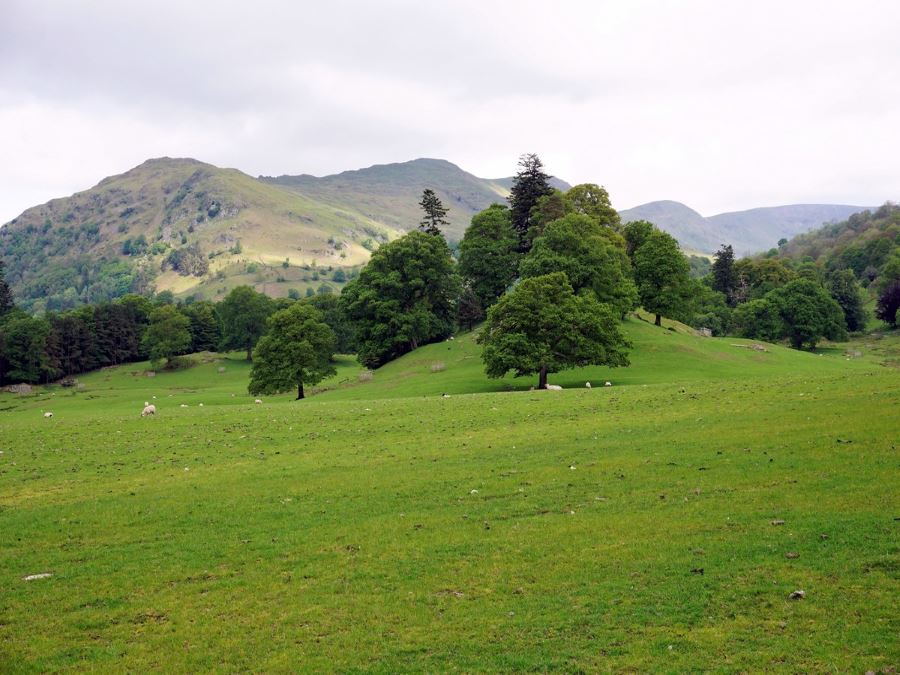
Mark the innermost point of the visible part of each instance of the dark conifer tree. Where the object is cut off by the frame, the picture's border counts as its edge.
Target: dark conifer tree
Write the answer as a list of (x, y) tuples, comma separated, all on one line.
[(435, 213), (6, 297), (725, 278), (529, 185)]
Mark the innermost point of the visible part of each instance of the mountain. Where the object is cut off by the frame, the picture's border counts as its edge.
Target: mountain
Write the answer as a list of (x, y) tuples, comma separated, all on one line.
[(197, 229), (390, 193), (747, 231)]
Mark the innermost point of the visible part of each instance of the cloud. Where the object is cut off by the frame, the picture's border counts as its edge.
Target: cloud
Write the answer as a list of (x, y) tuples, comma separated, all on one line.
[(720, 105)]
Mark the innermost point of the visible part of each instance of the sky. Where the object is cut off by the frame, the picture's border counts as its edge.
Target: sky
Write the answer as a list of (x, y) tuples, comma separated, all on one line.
[(722, 105)]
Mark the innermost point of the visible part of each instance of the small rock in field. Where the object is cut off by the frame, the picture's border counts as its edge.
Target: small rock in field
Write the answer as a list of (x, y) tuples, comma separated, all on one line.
[(473, 492), (697, 570), (797, 595), (790, 555), (778, 522), (35, 577), (823, 537)]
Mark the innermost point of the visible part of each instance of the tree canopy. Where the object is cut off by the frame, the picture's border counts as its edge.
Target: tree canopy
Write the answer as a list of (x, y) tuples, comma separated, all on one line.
[(488, 255), (809, 313), (168, 335), (296, 351), (542, 327), (244, 313), (662, 275), (405, 297), (529, 185), (592, 257)]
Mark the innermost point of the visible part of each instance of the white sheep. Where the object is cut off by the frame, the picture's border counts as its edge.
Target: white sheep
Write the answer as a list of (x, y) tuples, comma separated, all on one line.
[(258, 402), (148, 410), (587, 385), (48, 414), (554, 387), (607, 384)]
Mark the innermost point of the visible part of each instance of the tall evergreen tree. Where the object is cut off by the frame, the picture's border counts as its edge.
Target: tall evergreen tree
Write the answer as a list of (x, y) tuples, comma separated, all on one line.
[(529, 185), (6, 297), (435, 213), (724, 276)]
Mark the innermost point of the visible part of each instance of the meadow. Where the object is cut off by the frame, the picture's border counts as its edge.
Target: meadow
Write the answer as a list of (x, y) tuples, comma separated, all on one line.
[(659, 524)]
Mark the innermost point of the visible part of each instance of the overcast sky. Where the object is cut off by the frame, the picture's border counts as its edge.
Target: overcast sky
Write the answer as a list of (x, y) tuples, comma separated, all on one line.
[(721, 105)]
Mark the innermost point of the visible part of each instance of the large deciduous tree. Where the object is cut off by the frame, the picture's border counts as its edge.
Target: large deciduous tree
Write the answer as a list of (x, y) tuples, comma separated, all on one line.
[(435, 214), (592, 257), (296, 351), (542, 327), (845, 290), (404, 297), (168, 335), (592, 200), (529, 185), (662, 275), (636, 233), (488, 255), (809, 313), (243, 313)]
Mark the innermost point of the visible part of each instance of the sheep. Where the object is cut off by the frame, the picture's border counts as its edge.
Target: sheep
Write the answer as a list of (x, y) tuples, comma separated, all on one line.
[(48, 414), (587, 385), (554, 387), (258, 402), (183, 405), (607, 384), (148, 410)]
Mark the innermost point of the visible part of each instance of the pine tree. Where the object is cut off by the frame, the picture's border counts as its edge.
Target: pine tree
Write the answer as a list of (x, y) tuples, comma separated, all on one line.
[(529, 185), (6, 298), (435, 213), (725, 278)]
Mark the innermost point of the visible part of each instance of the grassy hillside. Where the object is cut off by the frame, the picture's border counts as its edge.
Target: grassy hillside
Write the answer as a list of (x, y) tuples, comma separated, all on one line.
[(625, 528), (390, 193), (74, 249)]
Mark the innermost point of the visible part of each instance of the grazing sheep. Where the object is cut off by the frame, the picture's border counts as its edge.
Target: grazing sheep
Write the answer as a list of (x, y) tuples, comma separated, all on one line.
[(183, 405), (607, 384), (148, 410), (587, 385), (554, 387), (258, 402), (201, 405), (48, 414)]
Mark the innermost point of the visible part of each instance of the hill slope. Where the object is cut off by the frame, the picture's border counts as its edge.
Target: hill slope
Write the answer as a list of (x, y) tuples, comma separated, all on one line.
[(390, 193), (747, 231)]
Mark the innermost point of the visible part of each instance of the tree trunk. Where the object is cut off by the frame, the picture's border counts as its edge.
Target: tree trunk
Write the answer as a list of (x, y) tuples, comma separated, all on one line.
[(300, 391), (658, 321), (249, 352), (414, 344), (542, 378)]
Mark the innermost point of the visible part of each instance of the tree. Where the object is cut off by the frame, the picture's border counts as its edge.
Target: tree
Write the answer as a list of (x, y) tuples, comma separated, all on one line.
[(488, 255), (334, 314), (6, 296), (435, 213), (24, 341), (758, 320), (404, 297), (469, 309), (542, 327), (662, 275), (724, 276), (529, 185), (809, 313), (168, 335), (548, 208), (592, 257), (845, 290), (243, 313), (636, 233), (296, 351), (888, 289), (592, 200), (206, 334)]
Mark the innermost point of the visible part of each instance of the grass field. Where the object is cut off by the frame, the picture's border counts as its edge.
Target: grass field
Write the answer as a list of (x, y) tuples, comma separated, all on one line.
[(378, 526)]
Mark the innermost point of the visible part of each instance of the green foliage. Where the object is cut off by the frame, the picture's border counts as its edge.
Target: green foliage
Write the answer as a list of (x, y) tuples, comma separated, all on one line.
[(334, 314), (187, 261), (542, 327), (435, 215), (6, 296), (845, 290), (469, 310), (529, 185), (293, 294), (588, 199), (757, 277), (662, 275), (339, 276), (405, 297), (546, 209), (296, 351), (592, 257), (243, 314), (23, 343), (488, 255), (758, 320), (310, 292), (168, 335), (206, 333), (709, 309), (809, 313), (636, 233), (700, 266), (724, 276)]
